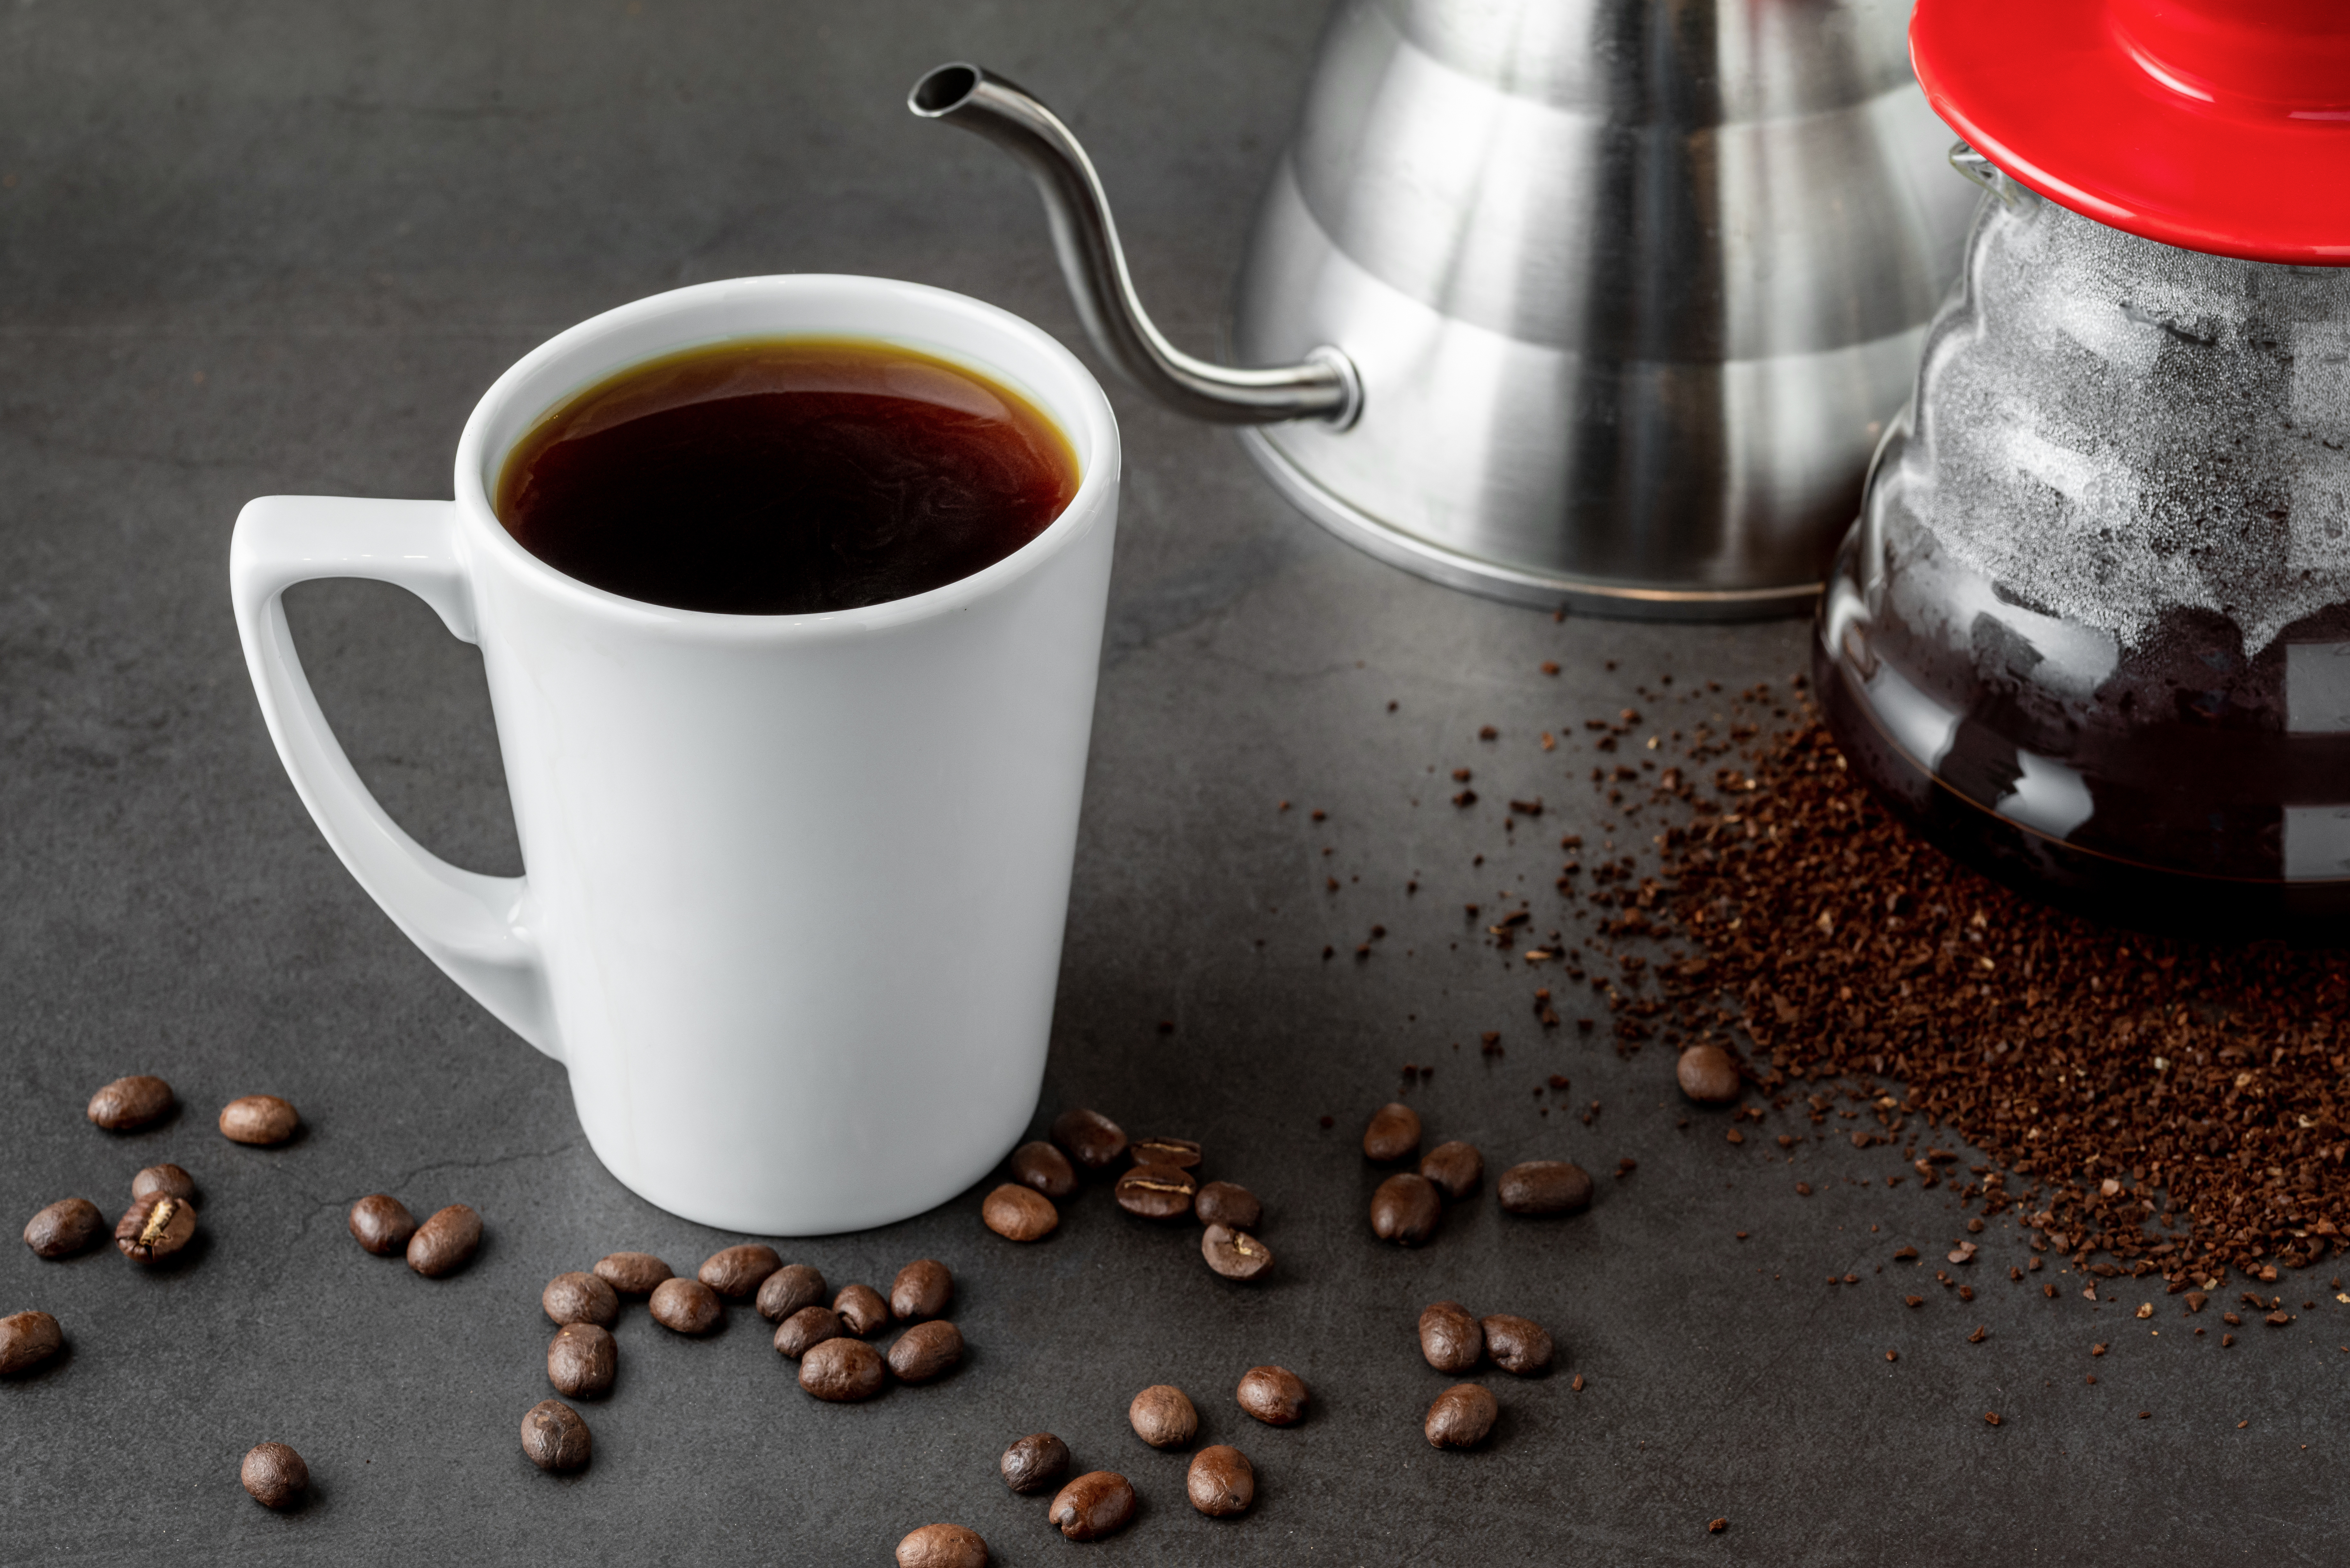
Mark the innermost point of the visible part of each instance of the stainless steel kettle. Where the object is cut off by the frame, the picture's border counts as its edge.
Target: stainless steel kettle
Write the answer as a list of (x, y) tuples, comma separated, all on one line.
[(1592, 303)]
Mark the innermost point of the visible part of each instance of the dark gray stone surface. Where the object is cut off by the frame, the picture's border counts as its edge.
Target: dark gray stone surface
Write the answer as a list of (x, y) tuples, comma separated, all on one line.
[(248, 247)]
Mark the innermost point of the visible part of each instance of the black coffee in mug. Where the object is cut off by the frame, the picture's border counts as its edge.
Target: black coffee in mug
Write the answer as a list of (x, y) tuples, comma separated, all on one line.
[(781, 476)]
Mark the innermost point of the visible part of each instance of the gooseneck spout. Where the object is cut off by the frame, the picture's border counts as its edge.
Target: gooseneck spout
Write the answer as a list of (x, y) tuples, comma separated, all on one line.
[(1325, 386)]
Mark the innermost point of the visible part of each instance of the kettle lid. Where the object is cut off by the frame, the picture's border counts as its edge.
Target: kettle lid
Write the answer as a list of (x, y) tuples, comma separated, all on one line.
[(2213, 124)]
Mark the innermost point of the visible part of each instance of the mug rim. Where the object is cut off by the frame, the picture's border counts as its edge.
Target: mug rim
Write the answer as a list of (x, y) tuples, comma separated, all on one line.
[(1091, 426)]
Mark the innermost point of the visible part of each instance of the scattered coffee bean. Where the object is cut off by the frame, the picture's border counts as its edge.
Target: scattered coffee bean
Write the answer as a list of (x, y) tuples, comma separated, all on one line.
[(841, 1370), (1393, 1135), (1708, 1076), (445, 1243), (1517, 1345), (1089, 1138), (687, 1306), (1455, 1167), (1405, 1209), (1034, 1462), (1229, 1204), (1274, 1395), (381, 1224), (1179, 1152), (66, 1226), (1221, 1483), (261, 1120), (736, 1272), (1157, 1191), (1545, 1186), (28, 1339), (925, 1351), (130, 1104), (1019, 1213), (554, 1438), (789, 1289), (1044, 1168), (806, 1329), (1461, 1417), (1450, 1337), (274, 1475), (1163, 1417), (168, 1179), (581, 1360), (862, 1311), (923, 1288), (943, 1546), (1098, 1503), (632, 1273), (1235, 1254), (580, 1298), (154, 1229)]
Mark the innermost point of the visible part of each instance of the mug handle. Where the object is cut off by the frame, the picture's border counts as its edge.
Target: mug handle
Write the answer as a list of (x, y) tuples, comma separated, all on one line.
[(476, 927)]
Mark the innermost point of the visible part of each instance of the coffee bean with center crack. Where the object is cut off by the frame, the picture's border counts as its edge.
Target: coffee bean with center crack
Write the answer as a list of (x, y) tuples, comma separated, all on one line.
[(1034, 1462), (1450, 1337), (27, 1340), (154, 1229), (168, 1179), (633, 1273), (555, 1438), (736, 1272), (862, 1311), (789, 1289), (923, 1288), (446, 1242), (381, 1224), (1461, 1417), (1228, 1203), (261, 1120), (1089, 1138), (582, 1359), (1044, 1168), (1179, 1152), (686, 1306), (842, 1370), (1157, 1191), (1019, 1213), (1708, 1076), (1221, 1483), (1455, 1167), (274, 1475), (925, 1351), (1274, 1395), (1393, 1135), (66, 1226), (1163, 1417), (1235, 1254), (806, 1329), (1516, 1344), (1095, 1505), (580, 1298), (1405, 1209), (1545, 1186), (130, 1104), (943, 1546)]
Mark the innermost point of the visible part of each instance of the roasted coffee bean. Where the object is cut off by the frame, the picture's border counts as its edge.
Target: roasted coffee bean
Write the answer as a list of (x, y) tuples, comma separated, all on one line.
[(687, 1306), (790, 1288), (1274, 1395), (1162, 1417), (1516, 1344), (736, 1272), (1450, 1337), (1221, 1483), (1229, 1204), (842, 1370), (381, 1224), (154, 1229), (274, 1475), (862, 1311), (168, 1179), (1034, 1462), (943, 1546), (66, 1226), (1405, 1209), (580, 1298), (633, 1273), (1235, 1254), (1708, 1076), (1044, 1168), (1179, 1152), (1461, 1417), (446, 1242), (1098, 1503), (925, 1351), (1089, 1138), (28, 1339), (1545, 1186), (261, 1120), (130, 1104), (1019, 1213), (806, 1329), (1393, 1135), (1455, 1167), (1157, 1191), (581, 1360), (922, 1288), (555, 1438)]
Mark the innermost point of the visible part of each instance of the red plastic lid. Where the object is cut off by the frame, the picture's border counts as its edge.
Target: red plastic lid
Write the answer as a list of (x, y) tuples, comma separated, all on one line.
[(2217, 125)]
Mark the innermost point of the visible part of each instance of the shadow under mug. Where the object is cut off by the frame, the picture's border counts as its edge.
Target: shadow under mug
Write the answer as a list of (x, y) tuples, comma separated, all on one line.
[(795, 885)]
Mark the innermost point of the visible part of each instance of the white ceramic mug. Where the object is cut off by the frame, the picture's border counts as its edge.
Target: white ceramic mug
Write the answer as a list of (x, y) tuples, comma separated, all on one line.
[(795, 885)]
